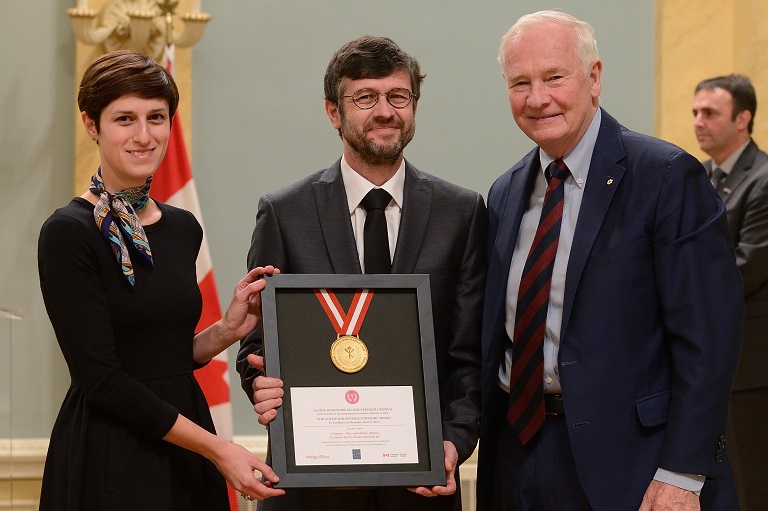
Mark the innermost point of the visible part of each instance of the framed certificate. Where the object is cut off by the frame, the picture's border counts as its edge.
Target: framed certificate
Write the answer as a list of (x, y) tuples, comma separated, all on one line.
[(357, 358)]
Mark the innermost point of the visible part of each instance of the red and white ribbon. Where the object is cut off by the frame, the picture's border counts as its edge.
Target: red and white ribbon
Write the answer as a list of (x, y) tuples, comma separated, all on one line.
[(349, 322)]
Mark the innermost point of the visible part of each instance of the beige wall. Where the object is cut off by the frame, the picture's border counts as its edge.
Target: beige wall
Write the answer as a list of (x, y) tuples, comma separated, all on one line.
[(704, 39)]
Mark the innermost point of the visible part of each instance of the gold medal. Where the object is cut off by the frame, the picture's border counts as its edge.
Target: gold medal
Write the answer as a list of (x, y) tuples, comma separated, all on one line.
[(349, 353)]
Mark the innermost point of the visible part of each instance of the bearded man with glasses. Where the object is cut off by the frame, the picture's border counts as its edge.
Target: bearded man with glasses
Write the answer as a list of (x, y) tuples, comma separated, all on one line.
[(433, 227)]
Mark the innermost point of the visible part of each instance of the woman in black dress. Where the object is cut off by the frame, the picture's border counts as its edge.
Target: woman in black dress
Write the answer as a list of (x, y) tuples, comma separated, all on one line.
[(117, 272)]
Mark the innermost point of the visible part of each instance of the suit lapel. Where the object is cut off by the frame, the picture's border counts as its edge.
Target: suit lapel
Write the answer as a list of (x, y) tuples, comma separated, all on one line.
[(604, 178), (333, 212), (514, 205), (739, 171), (417, 205), (509, 210)]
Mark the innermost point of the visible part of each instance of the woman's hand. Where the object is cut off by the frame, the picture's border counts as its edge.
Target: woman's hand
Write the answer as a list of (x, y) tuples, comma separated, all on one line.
[(237, 465), (235, 462), (244, 311), (242, 316)]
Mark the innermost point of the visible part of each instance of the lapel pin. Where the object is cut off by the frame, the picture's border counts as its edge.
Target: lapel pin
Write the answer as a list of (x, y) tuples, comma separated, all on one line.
[(727, 190), (610, 181)]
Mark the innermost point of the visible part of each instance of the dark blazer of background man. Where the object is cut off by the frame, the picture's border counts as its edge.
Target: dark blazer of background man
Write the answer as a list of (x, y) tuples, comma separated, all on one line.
[(650, 303), (306, 228), (724, 114)]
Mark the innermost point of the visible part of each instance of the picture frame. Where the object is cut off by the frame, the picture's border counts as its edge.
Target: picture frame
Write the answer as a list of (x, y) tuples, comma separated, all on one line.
[(349, 420)]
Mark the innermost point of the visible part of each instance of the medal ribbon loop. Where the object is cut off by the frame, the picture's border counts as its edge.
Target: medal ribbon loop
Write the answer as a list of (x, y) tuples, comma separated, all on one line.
[(349, 322)]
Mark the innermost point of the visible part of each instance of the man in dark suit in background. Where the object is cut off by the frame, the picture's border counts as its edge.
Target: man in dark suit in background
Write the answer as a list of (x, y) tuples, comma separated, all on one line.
[(613, 304), (724, 113), (434, 227)]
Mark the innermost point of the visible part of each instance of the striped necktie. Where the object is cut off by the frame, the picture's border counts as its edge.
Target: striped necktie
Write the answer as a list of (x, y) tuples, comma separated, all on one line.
[(526, 393)]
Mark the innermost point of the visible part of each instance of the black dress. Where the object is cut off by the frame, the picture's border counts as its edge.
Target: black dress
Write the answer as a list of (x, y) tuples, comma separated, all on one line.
[(129, 354)]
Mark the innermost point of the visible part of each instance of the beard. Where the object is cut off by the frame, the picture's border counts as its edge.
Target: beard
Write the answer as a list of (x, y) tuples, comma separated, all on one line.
[(372, 152)]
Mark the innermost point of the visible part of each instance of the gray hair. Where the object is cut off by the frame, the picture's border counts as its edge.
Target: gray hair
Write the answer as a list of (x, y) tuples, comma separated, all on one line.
[(586, 46)]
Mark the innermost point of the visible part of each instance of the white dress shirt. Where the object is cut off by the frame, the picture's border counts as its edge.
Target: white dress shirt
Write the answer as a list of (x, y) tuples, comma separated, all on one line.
[(357, 187)]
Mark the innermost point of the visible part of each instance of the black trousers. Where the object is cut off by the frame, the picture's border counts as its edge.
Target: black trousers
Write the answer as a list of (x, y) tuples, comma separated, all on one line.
[(747, 446)]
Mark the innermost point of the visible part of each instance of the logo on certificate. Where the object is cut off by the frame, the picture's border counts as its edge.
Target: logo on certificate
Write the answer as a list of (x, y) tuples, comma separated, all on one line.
[(352, 397), (356, 454)]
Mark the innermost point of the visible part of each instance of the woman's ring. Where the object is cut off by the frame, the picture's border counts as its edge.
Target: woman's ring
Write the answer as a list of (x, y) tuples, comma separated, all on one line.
[(246, 497)]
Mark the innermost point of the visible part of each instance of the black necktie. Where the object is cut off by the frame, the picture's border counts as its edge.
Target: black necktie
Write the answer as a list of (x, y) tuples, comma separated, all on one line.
[(718, 176), (526, 391), (375, 238)]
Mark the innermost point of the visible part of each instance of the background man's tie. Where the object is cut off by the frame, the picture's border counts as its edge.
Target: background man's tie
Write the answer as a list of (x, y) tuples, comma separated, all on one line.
[(718, 176), (526, 393), (375, 239)]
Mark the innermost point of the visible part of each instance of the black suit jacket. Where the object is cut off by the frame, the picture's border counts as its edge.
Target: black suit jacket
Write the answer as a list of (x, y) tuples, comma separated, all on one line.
[(745, 195), (306, 228)]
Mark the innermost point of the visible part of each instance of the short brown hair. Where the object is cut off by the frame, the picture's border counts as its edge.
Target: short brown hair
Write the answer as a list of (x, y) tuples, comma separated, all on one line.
[(124, 72), (369, 57)]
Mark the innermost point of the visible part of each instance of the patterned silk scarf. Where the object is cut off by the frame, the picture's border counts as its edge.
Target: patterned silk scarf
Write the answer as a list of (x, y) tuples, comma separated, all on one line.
[(116, 217)]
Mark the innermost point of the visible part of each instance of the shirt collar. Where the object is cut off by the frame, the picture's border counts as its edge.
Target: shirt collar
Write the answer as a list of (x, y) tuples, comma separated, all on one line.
[(730, 162), (357, 186), (580, 157)]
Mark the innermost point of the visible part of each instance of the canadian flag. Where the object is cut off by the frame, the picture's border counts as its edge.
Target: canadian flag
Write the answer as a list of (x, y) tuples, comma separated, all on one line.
[(173, 184)]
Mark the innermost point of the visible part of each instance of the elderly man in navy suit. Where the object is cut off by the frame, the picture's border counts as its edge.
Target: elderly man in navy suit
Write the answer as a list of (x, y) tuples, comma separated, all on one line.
[(433, 227), (613, 309)]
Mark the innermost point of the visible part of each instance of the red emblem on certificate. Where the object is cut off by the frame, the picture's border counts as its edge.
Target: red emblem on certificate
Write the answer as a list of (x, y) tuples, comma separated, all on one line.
[(352, 397), (348, 352)]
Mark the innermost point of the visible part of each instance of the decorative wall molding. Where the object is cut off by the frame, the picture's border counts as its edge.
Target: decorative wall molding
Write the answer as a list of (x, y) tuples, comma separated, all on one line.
[(102, 24), (22, 461), (144, 25), (21, 470)]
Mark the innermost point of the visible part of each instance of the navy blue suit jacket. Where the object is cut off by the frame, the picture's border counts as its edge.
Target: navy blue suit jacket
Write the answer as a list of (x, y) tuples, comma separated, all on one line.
[(651, 320)]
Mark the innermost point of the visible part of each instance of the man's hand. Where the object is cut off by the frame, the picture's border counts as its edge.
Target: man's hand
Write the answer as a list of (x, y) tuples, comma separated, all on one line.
[(665, 497), (451, 461), (267, 392)]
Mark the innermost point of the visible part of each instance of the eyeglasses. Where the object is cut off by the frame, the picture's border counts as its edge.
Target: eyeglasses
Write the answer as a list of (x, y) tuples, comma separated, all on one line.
[(367, 98)]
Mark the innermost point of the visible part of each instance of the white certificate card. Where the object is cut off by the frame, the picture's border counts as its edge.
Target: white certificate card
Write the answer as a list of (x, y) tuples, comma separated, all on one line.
[(354, 426)]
